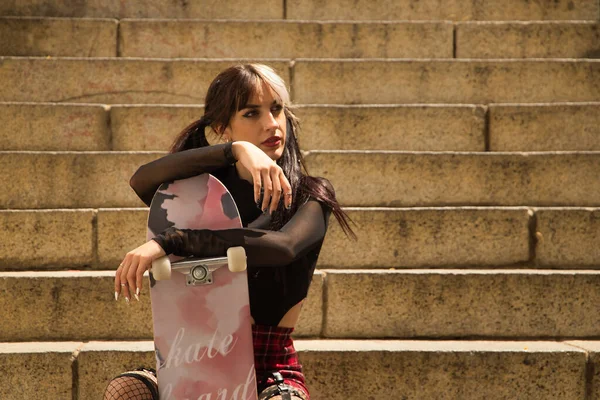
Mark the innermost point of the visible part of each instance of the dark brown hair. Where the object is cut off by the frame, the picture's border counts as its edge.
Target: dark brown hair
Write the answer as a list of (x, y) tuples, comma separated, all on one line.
[(230, 92)]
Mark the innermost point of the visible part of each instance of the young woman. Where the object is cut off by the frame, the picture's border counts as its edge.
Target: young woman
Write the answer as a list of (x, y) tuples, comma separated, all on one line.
[(284, 211)]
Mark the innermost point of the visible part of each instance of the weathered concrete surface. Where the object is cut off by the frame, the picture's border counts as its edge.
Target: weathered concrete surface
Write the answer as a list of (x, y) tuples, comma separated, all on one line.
[(80, 305), (545, 127), (341, 370), (568, 238), (456, 10), (37, 370), (206, 9), (31, 239), (399, 127), (443, 237), (528, 40), (445, 81), (152, 128), (52, 127), (58, 37), (453, 179), (70, 179), (285, 39), (461, 303), (116, 81)]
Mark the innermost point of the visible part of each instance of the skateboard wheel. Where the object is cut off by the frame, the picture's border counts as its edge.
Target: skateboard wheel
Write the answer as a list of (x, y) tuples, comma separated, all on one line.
[(161, 268), (236, 259)]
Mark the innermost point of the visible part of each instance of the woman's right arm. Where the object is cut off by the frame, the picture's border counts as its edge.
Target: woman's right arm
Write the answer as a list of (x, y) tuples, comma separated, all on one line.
[(267, 176), (184, 164)]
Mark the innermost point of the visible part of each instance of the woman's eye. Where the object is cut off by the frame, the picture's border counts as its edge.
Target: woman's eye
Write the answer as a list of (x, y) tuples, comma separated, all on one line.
[(277, 109), (250, 114)]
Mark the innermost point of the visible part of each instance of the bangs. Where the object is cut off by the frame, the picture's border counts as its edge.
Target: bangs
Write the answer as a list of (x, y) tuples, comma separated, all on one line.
[(251, 84)]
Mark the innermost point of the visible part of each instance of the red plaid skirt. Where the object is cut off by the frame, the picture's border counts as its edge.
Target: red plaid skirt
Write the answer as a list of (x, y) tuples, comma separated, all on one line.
[(274, 352)]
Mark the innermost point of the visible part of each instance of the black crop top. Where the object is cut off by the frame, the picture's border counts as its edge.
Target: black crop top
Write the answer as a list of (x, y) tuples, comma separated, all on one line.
[(280, 263)]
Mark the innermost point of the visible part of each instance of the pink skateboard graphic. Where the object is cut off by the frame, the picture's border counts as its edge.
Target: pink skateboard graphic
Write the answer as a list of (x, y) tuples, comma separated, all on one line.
[(200, 307)]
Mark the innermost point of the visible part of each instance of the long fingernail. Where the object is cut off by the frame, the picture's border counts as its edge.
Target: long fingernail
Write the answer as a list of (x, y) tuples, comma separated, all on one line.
[(136, 297), (127, 300), (258, 204), (264, 210), (116, 296), (137, 291)]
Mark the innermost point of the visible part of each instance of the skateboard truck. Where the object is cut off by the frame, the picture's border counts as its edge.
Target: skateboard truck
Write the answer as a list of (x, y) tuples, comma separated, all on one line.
[(198, 271)]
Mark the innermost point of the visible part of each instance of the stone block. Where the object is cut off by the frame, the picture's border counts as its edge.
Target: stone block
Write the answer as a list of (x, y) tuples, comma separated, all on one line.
[(52, 127), (342, 370), (400, 127), (568, 238), (66, 305), (150, 128), (449, 179), (37, 370), (58, 37), (528, 40), (99, 362), (31, 239), (121, 81), (461, 303), (444, 237), (285, 39), (70, 179), (592, 347), (204, 9), (545, 127), (455, 10), (445, 81)]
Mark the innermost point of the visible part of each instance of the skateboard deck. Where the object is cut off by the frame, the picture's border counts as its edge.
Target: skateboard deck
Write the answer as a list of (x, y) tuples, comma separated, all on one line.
[(202, 328)]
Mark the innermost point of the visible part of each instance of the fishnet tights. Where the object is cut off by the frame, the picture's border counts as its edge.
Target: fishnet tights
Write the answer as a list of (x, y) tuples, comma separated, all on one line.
[(131, 386)]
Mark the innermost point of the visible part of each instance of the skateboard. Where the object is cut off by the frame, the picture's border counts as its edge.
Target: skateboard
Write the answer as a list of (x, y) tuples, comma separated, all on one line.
[(200, 306)]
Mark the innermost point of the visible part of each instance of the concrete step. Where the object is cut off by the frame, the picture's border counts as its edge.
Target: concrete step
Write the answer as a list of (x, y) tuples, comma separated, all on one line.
[(311, 10), (390, 81), (34, 36), (335, 369), (76, 37), (455, 10), (47, 180), (80, 305), (406, 238), (417, 127), (458, 303), (528, 40), (208, 9), (286, 39), (363, 178)]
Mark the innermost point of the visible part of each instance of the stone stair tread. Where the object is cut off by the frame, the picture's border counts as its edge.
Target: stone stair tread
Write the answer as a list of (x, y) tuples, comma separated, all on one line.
[(322, 81), (405, 127), (460, 303), (314, 10)]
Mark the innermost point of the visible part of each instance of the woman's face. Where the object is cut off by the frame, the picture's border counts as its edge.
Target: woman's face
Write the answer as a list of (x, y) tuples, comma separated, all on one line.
[(261, 122)]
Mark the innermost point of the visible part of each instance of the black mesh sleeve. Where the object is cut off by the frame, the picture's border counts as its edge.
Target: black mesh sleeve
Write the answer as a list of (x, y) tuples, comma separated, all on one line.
[(263, 247), (148, 178)]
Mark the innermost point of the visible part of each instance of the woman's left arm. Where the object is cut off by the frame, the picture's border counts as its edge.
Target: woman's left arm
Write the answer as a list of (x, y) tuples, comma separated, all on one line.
[(263, 247)]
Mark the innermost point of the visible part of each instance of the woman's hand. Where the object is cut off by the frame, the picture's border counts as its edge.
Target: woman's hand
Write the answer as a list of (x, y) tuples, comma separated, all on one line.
[(267, 176), (129, 275)]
